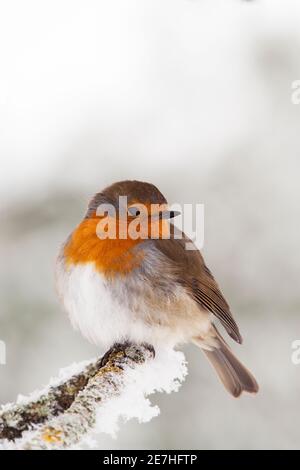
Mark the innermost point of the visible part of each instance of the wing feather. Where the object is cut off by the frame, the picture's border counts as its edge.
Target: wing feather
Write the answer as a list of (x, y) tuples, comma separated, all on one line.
[(192, 273)]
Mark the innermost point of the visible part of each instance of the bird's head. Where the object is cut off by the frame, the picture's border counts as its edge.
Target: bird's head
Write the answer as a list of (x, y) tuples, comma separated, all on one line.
[(118, 218), (132, 208)]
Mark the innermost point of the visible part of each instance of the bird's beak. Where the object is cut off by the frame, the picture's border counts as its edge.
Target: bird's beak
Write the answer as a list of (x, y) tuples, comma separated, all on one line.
[(168, 214)]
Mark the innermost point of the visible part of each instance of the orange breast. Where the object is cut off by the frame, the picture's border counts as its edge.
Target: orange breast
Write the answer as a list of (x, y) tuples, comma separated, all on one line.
[(111, 256)]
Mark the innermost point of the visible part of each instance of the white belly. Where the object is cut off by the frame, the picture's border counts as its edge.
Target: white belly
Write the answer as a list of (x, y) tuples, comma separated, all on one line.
[(90, 305), (103, 320)]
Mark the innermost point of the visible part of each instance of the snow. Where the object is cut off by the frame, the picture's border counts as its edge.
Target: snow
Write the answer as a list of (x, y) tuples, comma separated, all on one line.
[(164, 374), (63, 375), (105, 404)]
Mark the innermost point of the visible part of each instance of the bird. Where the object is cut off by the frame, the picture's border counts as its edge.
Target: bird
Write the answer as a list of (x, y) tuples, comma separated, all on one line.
[(145, 289)]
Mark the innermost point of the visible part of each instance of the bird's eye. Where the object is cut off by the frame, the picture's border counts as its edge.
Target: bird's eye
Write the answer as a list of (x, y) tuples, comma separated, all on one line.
[(134, 211)]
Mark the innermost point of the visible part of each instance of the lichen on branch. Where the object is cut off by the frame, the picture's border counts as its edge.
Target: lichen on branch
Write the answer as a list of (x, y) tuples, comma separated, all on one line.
[(62, 414)]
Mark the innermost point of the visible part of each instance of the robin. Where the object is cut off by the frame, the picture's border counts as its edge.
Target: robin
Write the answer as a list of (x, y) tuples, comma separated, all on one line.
[(144, 289)]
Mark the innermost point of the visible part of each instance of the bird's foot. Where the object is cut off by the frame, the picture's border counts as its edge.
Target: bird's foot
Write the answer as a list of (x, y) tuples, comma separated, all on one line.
[(116, 348), (127, 349), (149, 348)]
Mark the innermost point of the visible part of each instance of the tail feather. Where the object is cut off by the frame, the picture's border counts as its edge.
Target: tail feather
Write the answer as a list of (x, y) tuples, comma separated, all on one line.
[(232, 373)]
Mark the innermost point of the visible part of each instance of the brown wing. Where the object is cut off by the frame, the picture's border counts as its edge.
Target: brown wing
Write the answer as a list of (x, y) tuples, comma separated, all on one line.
[(193, 274)]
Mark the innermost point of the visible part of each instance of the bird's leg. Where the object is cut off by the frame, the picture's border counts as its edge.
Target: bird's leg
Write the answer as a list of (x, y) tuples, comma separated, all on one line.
[(149, 348), (127, 348), (117, 347)]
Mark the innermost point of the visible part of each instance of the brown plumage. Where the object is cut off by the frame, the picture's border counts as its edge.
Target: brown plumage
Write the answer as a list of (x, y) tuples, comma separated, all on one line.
[(192, 273), (232, 373), (154, 290)]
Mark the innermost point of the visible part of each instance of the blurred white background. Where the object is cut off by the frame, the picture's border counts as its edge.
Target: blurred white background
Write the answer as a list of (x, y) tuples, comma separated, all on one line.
[(194, 96)]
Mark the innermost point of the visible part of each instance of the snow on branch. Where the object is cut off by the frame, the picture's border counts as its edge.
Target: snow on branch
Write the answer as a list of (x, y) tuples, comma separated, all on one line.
[(91, 397)]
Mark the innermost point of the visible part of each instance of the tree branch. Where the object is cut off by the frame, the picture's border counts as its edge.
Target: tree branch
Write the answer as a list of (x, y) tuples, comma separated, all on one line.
[(61, 415)]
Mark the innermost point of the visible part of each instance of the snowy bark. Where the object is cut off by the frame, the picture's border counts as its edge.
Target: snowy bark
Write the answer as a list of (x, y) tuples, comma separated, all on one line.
[(61, 415)]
